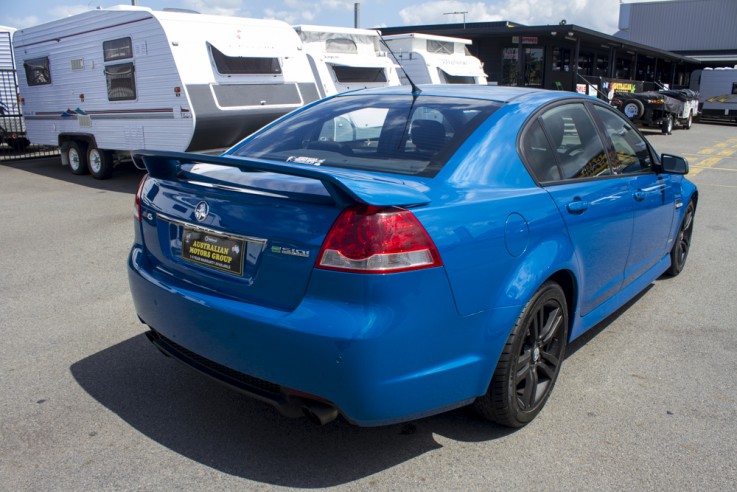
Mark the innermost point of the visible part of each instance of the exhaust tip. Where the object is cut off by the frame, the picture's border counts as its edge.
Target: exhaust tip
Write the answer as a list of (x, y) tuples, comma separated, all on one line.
[(319, 414)]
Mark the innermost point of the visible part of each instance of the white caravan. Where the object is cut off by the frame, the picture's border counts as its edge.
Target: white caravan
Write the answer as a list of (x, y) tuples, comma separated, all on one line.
[(107, 81), (430, 59), (344, 59), (12, 129), (717, 92)]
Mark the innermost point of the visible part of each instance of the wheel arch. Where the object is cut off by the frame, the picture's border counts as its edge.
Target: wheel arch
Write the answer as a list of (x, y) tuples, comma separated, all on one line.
[(567, 281)]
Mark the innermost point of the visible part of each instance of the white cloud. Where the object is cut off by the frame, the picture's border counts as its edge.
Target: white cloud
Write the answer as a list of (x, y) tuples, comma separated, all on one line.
[(61, 11), (20, 22), (338, 4), (215, 7), (593, 14)]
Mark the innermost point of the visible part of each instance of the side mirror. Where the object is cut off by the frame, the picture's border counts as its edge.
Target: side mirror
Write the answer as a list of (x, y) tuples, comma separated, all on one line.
[(673, 164)]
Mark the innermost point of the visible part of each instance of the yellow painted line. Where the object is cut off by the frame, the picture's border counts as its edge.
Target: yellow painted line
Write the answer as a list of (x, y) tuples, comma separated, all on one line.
[(709, 161), (727, 153), (723, 144), (707, 151), (701, 168)]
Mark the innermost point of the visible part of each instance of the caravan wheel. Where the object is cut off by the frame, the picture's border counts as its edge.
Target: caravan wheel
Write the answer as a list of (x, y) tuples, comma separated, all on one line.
[(100, 163), (77, 157)]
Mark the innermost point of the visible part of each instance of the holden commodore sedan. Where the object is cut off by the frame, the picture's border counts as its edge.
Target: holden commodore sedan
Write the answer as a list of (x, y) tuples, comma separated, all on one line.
[(390, 254)]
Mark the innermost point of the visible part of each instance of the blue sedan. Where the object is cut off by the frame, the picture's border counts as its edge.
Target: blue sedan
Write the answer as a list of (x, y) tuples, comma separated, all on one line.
[(390, 254)]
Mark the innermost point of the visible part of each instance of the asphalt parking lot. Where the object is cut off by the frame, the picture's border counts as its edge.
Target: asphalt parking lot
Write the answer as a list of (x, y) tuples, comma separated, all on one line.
[(647, 401)]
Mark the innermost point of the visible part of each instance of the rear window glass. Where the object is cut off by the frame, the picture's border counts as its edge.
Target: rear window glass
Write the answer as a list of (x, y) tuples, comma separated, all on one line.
[(394, 134)]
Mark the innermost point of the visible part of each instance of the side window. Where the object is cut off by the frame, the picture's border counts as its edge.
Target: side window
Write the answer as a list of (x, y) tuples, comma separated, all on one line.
[(631, 154), (117, 49), (539, 155), (121, 85), (576, 142), (244, 65), (37, 71), (120, 77)]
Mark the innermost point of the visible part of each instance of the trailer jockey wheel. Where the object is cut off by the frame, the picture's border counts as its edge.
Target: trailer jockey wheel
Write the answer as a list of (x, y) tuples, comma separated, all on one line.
[(100, 163), (77, 157)]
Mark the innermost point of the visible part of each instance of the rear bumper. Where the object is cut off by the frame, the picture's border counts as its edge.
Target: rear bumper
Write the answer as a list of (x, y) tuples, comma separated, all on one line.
[(381, 350)]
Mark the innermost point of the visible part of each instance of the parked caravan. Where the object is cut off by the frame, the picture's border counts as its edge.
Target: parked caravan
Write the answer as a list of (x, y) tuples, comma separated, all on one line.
[(430, 59), (12, 127), (718, 92), (108, 81), (343, 59)]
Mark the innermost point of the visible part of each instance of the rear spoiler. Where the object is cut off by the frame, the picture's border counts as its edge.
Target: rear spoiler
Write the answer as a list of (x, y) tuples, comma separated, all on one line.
[(344, 187)]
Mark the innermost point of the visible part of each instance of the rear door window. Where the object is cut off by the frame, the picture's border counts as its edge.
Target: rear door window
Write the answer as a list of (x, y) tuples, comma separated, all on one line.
[(576, 142)]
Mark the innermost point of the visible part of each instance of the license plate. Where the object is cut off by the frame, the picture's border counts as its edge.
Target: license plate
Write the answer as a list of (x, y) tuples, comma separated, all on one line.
[(216, 251)]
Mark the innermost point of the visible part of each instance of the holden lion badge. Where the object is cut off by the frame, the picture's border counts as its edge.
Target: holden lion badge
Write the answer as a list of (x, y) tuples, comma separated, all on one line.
[(201, 211)]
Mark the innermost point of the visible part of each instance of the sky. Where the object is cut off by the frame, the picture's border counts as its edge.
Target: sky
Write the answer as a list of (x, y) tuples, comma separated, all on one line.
[(600, 15)]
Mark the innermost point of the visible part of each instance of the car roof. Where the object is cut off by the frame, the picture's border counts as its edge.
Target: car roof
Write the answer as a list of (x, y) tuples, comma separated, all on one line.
[(502, 94)]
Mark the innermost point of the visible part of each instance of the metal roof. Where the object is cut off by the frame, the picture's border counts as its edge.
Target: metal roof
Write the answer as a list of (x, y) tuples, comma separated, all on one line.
[(570, 31)]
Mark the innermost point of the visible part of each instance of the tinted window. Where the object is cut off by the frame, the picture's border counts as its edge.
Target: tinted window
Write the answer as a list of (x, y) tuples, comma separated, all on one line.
[(577, 144), (539, 155), (631, 154), (346, 74), (117, 49), (37, 71), (398, 134), (121, 84)]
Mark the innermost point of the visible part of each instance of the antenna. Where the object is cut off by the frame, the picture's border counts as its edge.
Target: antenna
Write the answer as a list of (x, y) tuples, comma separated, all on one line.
[(415, 89)]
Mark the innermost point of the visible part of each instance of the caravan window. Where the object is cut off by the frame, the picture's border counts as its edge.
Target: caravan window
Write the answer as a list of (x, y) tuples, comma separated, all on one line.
[(455, 79), (442, 47), (37, 71), (341, 45), (121, 85), (117, 49), (347, 75), (231, 65)]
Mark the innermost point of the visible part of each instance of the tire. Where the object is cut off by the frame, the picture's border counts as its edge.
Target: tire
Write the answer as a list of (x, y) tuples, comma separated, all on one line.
[(633, 109), (667, 126), (689, 121), (679, 252), (18, 144), (100, 163), (530, 362), (77, 157)]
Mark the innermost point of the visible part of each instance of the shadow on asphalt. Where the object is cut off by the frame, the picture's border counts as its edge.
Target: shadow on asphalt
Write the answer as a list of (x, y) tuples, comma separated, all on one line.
[(220, 428), (232, 433), (125, 177)]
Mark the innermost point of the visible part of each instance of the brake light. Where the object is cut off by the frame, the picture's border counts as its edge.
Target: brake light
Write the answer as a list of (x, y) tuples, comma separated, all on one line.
[(367, 239), (137, 206)]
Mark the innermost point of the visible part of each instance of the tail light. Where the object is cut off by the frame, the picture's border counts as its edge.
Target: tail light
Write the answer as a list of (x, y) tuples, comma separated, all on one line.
[(137, 207), (366, 239)]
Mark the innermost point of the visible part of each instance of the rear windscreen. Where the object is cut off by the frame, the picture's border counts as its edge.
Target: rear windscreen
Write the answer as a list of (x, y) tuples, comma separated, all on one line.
[(396, 134)]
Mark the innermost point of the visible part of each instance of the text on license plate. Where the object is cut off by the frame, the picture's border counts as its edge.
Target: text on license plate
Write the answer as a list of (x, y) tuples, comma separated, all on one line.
[(216, 251)]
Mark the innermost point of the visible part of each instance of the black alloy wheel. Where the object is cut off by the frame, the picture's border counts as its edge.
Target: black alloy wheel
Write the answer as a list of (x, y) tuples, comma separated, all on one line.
[(530, 362), (679, 253)]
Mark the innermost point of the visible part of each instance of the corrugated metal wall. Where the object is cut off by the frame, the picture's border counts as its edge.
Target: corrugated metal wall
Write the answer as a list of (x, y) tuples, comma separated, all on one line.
[(683, 24), (6, 53)]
